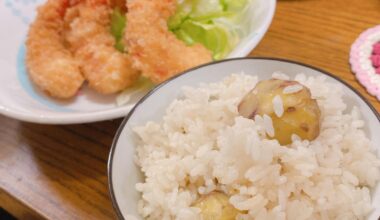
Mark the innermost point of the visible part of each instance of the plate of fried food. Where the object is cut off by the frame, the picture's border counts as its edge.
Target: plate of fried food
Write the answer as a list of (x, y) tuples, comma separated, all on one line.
[(78, 61)]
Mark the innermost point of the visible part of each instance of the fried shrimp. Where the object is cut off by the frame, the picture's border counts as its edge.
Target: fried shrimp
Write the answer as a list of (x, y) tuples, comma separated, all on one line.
[(88, 35), (50, 65), (153, 48)]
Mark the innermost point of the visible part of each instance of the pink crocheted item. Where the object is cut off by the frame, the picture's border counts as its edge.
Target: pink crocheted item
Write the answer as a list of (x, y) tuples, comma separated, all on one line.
[(365, 60), (376, 48)]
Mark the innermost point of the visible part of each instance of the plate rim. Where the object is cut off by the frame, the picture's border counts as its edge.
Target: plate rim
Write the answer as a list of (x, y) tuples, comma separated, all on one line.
[(155, 89), (78, 118)]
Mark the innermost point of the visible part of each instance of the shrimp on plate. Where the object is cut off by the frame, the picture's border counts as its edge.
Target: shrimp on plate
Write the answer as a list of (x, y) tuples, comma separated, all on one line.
[(70, 42), (153, 48), (51, 65), (88, 35)]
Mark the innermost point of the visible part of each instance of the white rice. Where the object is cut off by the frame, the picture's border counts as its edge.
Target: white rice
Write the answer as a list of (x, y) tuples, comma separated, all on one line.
[(268, 125), (202, 145), (280, 75), (292, 89), (278, 106)]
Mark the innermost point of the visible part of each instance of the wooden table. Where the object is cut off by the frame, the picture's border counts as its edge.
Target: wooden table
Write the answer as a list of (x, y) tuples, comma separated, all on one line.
[(59, 172)]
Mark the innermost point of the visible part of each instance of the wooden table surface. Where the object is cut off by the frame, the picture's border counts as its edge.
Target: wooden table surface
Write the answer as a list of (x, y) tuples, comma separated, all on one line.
[(59, 172)]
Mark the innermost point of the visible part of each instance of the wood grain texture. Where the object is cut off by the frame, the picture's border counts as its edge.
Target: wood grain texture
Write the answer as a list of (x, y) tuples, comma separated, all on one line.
[(59, 172)]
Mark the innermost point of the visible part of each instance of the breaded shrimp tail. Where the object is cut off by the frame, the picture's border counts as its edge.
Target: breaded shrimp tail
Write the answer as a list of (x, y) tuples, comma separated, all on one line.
[(50, 65), (106, 69), (154, 49)]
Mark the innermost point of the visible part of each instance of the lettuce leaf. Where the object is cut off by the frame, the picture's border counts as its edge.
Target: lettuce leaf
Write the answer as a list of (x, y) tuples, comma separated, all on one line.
[(217, 24), (118, 22)]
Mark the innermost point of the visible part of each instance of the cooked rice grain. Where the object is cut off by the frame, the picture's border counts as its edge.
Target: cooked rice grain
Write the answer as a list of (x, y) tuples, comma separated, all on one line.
[(278, 106), (292, 89)]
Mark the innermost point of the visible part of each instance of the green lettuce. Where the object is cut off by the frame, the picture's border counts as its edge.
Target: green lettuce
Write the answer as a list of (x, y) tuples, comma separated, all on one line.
[(118, 22), (217, 24)]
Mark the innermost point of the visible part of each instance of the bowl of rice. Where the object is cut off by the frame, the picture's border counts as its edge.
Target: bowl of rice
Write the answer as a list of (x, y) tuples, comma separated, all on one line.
[(185, 149)]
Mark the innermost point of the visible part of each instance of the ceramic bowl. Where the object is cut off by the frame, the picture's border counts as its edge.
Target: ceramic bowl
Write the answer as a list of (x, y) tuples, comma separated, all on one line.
[(123, 174)]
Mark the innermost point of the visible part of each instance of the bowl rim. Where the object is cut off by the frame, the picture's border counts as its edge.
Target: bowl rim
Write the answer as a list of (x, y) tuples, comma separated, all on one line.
[(156, 89)]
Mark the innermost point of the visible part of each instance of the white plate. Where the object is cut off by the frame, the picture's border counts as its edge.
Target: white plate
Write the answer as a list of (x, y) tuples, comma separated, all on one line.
[(123, 174), (21, 100)]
